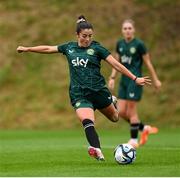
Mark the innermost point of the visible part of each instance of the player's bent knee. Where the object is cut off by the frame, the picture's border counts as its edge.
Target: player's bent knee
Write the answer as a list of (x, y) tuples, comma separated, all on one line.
[(115, 118)]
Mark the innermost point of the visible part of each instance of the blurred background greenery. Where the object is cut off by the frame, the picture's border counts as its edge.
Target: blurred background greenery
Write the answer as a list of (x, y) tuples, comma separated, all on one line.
[(34, 87)]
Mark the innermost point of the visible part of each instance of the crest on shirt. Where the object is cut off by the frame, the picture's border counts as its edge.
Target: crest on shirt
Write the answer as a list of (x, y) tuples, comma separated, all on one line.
[(90, 51), (132, 50)]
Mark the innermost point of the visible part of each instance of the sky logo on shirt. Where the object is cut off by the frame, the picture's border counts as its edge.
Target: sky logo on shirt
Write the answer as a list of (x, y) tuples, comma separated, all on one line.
[(126, 59), (79, 62)]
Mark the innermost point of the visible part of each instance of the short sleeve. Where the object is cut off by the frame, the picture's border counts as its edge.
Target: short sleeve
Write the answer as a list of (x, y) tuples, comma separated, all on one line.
[(103, 53), (142, 48), (62, 48)]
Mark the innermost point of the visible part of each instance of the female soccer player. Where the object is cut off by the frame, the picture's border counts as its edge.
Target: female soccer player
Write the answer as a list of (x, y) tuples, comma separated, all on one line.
[(87, 86), (131, 52)]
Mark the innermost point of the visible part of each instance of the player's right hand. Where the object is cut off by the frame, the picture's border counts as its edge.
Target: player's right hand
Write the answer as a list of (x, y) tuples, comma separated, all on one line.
[(143, 81), (21, 49), (157, 85)]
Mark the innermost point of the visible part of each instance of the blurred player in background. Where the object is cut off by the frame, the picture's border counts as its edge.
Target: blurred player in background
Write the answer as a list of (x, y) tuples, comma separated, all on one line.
[(131, 52), (88, 90)]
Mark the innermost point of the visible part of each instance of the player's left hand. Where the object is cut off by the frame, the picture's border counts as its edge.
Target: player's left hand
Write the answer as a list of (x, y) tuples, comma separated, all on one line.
[(143, 81), (157, 84)]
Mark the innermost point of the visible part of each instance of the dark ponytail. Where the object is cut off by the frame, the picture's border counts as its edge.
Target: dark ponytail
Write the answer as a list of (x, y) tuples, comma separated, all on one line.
[(82, 24)]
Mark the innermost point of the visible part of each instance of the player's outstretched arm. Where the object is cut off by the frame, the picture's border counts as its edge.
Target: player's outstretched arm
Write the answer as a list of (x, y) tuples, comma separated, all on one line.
[(38, 49), (120, 68), (111, 82), (156, 81)]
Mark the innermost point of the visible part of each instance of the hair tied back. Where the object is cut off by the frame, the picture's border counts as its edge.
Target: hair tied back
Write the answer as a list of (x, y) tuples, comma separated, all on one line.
[(80, 20)]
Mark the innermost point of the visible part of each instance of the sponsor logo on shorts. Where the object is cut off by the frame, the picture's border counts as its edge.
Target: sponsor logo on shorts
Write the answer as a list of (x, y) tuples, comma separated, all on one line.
[(78, 104), (131, 95), (109, 97)]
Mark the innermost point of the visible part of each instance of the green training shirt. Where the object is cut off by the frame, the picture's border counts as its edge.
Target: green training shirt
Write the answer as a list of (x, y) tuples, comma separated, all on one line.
[(84, 64), (131, 55)]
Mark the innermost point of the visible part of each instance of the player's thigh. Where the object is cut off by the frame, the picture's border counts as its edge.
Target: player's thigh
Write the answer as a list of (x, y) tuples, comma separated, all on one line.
[(122, 105), (110, 112), (85, 113), (132, 107)]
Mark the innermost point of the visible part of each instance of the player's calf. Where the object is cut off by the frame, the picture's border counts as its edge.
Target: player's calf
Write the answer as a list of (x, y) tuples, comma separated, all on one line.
[(91, 134)]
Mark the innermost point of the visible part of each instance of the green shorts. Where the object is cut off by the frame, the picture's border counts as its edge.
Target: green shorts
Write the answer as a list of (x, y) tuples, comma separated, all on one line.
[(86, 98), (129, 90)]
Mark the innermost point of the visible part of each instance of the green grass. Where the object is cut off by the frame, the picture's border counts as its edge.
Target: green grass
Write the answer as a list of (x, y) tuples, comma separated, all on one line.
[(34, 87), (64, 153)]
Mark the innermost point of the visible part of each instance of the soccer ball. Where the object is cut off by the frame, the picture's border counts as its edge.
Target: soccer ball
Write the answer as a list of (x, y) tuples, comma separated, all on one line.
[(124, 154)]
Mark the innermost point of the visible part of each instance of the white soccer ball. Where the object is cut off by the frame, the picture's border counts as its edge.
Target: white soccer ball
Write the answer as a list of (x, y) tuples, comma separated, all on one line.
[(124, 154)]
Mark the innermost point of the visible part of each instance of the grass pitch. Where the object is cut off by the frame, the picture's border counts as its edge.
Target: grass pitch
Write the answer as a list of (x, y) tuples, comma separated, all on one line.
[(64, 153)]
